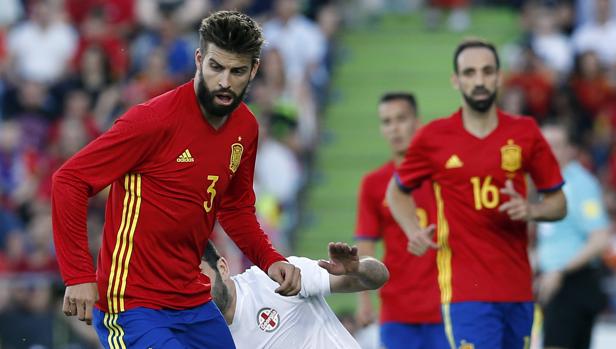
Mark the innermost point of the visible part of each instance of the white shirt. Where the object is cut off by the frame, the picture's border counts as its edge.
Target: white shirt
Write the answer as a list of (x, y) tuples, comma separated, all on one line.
[(300, 42), (42, 54), (598, 38), (264, 319)]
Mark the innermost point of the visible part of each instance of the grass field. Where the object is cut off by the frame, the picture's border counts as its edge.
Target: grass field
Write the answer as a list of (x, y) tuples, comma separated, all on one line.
[(396, 53)]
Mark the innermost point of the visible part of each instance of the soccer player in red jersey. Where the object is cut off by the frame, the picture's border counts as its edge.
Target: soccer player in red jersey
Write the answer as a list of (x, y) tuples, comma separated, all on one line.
[(410, 304), (477, 161), (175, 163)]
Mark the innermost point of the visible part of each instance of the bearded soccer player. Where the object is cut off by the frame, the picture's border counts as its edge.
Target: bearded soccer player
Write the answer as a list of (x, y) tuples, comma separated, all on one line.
[(261, 319), (410, 305), (477, 161), (175, 163)]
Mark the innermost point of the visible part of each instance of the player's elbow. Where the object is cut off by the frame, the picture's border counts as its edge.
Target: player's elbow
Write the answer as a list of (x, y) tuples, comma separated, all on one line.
[(377, 272), (561, 206)]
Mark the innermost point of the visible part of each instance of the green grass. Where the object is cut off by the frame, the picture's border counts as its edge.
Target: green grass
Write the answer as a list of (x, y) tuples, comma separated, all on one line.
[(394, 54)]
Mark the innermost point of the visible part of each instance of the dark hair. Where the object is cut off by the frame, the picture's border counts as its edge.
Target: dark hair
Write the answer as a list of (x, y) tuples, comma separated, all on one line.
[(211, 255), (474, 43), (406, 96), (231, 31)]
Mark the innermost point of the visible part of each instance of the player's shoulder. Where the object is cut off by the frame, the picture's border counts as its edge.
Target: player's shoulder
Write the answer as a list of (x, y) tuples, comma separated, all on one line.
[(442, 126), (165, 108), (379, 174), (522, 121)]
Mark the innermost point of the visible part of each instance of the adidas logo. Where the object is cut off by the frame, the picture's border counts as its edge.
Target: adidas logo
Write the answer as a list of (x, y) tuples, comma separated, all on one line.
[(454, 162), (185, 157)]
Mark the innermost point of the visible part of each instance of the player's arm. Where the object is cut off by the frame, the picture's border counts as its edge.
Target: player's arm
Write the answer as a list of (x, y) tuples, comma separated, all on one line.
[(551, 207), (365, 310), (237, 217), (104, 160), (403, 208), (350, 273)]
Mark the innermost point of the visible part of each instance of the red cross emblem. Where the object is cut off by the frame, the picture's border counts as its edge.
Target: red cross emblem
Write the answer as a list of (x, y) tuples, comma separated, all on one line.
[(268, 319)]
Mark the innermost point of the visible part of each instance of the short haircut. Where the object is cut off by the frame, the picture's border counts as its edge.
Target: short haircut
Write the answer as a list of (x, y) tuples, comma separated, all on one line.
[(232, 31), (405, 96), (211, 255), (474, 43)]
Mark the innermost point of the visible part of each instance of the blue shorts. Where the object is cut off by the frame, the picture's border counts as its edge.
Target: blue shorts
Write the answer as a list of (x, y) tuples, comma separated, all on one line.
[(487, 325), (199, 327), (397, 335)]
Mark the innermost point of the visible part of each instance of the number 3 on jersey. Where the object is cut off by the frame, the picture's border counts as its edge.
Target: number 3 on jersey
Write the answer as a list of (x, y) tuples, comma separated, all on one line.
[(208, 204), (486, 194)]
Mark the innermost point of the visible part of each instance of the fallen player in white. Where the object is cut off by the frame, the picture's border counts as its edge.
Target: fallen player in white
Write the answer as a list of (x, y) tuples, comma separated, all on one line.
[(260, 318)]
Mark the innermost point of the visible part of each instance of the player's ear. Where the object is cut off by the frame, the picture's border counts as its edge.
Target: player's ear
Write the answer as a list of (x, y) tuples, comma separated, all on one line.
[(198, 58), (223, 268), (255, 66), (455, 82)]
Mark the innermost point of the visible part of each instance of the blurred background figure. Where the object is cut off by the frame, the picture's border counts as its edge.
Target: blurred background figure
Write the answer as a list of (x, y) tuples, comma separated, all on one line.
[(569, 251)]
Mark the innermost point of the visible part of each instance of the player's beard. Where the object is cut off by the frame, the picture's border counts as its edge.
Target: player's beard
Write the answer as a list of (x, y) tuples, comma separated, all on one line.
[(482, 105), (206, 99), (220, 294)]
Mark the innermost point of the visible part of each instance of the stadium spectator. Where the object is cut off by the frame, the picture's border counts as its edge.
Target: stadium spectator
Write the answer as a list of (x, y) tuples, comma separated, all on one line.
[(410, 302), (40, 47), (477, 160), (156, 157), (599, 35), (303, 321), (568, 252)]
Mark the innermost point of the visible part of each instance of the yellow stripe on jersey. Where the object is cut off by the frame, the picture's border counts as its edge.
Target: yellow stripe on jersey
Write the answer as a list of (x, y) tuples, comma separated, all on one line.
[(130, 242), (124, 243), (114, 257), (448, 325), (443, 255)]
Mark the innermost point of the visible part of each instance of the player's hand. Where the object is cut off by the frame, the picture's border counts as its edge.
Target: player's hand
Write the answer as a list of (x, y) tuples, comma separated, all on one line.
[(343, 259), (549, 284), (517, 208), (421, 241), (288, 276), (79, 300)]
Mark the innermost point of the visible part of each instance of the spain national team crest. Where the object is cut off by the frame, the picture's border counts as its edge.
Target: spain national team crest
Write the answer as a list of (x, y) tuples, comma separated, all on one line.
[(511, 157), (268, 319), (236, 156)]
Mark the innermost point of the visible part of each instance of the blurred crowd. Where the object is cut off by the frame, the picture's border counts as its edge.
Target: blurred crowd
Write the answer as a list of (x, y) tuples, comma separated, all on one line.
[(69, 68), (563, 69)]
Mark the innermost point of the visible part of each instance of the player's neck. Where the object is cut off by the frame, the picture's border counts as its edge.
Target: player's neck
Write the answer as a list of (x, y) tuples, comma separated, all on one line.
[(230, 311), (479, 124)]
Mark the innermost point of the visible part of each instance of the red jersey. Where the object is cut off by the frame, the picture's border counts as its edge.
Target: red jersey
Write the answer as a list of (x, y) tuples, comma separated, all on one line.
[(411, 295), (172, 174), (483, 252)]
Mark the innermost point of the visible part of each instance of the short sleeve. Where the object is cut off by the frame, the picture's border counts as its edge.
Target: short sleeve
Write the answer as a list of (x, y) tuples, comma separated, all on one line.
[(417, 165), (315, 280), (368, 224), (588, 206), (542, 165)]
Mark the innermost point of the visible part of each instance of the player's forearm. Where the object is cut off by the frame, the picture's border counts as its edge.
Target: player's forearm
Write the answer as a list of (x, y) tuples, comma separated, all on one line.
[(552, 207), (69, 203), (402, 207), (597, 243)]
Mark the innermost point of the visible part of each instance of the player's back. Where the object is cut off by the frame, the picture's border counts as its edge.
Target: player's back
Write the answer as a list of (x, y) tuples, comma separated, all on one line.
[(264, 319)]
